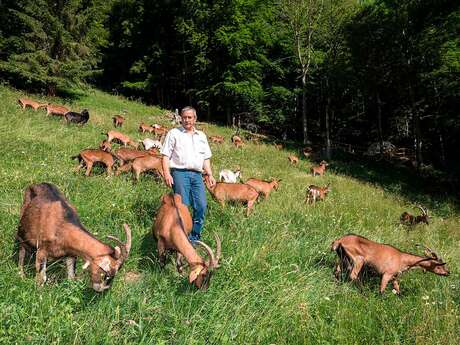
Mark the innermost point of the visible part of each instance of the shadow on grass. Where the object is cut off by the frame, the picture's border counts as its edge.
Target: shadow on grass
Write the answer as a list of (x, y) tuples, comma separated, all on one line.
[(427, 191)]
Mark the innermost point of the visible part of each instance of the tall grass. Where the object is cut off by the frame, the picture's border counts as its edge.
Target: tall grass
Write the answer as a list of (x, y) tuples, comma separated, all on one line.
[(275, 285)]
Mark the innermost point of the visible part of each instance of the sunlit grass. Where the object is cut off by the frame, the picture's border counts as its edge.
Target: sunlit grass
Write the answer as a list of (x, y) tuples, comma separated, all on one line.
[(275, 285)]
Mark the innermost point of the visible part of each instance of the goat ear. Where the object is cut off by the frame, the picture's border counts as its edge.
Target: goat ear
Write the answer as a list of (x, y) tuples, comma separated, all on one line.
[(195, 273), (117, 253), (444, 263)]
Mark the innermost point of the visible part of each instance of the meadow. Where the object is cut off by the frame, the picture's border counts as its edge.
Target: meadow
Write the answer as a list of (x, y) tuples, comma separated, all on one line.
[(275, 284)]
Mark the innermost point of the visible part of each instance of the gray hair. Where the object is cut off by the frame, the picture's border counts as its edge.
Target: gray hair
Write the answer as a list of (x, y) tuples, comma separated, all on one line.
[(188, 108)]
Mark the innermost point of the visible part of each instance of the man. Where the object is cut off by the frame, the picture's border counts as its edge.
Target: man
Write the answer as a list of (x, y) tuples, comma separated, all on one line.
[(186, 156)]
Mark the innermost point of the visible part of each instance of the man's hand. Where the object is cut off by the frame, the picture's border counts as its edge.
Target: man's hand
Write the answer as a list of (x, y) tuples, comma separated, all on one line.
[(169, 180), (212, 181)]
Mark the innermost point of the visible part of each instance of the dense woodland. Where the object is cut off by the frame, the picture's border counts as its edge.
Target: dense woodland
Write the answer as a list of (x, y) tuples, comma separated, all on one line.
[(334, 73)]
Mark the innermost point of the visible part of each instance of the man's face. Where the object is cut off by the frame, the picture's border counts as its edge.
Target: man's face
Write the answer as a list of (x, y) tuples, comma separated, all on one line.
[(188, 119)]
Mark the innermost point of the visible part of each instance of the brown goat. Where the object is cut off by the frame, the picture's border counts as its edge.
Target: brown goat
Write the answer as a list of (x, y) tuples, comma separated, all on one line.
[(237, 141), (55, 109), (105, 146), (172, 225), (293, 159), (307, 152), (90, 156), (50, 225), (355, 251), (125, 154), (142, 164), (408, 219), (217, 139), (264, 187), (315, 192), (124, 139), (25, 102), (118, 120), (143, 127), (319, 170), (234, 192)]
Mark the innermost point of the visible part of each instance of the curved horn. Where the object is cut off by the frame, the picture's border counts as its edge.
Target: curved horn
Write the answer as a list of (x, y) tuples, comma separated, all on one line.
[(424, 211), (209, 251), (125, 247), (428, 252), (218, 250)]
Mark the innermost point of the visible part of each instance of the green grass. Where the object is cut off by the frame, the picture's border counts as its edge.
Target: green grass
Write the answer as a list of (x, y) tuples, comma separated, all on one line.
[(275, 285)]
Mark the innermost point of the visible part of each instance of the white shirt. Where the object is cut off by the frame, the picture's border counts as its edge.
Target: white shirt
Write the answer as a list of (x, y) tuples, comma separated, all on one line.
[(186, 150)]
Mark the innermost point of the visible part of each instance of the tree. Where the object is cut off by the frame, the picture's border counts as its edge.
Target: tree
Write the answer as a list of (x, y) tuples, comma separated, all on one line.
[(302, 18)]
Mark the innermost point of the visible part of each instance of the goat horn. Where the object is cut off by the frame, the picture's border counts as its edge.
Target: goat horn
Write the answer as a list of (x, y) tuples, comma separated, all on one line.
[(428, 252), (421, 208), (209, 251), (125, 247), (218, 250)]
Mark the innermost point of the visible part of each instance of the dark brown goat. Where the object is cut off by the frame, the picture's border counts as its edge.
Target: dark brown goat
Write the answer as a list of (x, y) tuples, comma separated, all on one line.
[(172, 226), (408, 219), (50, 225), (355, 251)]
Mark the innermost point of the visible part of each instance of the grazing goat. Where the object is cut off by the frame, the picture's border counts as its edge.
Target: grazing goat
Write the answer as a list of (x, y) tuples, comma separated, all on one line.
[(172, 225), (124, 139), (319, 170), (408, 219), (90, 156), (105, 146), (355, 251), (25, 102), (55, 109), (74, 117), (142, 164), (237, 141), (293, 159), (229, 176), (145, 128), (264, 187), (150, 143), (50, 225), (217, 139), (234, 192), (125, 154), (118, 120), (315, 192), (160, 131)]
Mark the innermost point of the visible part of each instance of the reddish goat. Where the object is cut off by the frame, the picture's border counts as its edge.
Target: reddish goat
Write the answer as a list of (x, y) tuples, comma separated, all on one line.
[(172, 226), (90, 156), (264, 187), (25, 102), (355, 251), (50, 225)]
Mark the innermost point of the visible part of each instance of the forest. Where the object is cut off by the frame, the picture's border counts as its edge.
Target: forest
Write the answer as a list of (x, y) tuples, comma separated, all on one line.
[(359, 76)]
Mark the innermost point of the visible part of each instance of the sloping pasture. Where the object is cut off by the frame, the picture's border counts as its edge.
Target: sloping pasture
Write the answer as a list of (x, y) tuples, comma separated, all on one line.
[(275, 285)]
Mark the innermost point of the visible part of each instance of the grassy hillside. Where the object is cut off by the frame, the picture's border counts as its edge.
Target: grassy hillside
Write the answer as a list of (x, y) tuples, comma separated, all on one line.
[(275, 285)]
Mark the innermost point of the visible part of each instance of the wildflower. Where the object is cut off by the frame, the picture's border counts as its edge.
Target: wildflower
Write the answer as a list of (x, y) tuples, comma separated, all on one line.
[(425, 298)]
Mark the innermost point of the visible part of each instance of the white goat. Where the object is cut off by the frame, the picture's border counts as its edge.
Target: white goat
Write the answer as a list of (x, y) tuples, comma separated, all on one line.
[(229, 176), (150, 143)]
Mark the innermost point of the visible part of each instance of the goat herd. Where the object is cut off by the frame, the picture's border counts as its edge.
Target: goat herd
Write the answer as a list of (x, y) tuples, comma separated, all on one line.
[(49, 225)]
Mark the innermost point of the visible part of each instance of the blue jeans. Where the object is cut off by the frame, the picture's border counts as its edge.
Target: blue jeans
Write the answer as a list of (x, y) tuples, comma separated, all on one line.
[(189, 184)]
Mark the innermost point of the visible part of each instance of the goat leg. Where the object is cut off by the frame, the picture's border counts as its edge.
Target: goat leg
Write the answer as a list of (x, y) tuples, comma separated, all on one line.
[(21, 256), (89, 165), (40, 267), (161, 253), (70, 263), (396, 286), (384, 282)]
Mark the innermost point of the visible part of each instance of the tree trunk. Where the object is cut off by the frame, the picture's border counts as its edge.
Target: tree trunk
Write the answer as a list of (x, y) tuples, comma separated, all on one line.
[(328, 137), (304, 111), (229, 115), (379, 121)]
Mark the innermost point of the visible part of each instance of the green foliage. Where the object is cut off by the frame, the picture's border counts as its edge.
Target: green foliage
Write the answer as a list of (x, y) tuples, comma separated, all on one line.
[(51, 45)]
